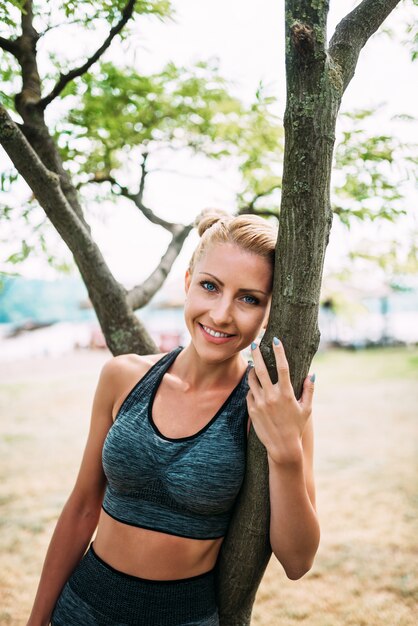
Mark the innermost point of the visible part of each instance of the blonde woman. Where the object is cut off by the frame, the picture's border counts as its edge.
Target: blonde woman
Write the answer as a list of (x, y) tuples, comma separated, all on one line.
[(165, 455)]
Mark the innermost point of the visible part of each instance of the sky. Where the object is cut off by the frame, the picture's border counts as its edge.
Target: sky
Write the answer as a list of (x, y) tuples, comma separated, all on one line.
[(247, 37)]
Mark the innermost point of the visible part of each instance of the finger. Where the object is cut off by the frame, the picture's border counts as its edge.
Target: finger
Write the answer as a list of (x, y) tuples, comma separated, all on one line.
[(254, 384), (260, 367), (250, 398), (308, 392), (282, 365)]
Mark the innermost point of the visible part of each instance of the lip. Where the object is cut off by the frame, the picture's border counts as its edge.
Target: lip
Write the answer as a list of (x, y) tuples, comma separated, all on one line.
[(212, 339)]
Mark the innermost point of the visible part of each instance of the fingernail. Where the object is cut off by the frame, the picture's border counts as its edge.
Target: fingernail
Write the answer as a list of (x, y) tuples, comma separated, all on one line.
[(276, 341), (313, 377), (253, 345)]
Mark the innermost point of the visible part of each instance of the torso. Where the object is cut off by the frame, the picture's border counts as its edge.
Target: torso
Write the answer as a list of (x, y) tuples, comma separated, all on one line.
[(147, 553)]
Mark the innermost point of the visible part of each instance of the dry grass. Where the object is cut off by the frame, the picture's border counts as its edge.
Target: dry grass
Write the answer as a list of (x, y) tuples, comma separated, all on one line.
[(366, 466)]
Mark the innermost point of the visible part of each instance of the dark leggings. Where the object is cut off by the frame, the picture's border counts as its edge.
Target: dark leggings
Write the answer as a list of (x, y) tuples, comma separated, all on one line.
[(98, 595)]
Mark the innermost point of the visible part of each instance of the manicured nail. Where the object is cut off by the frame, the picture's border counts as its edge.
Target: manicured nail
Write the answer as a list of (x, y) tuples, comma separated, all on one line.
[(276, 341), (253, 345), (313, 378)]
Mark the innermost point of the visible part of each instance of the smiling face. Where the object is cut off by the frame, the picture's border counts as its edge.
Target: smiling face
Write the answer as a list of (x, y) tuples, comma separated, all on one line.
[(228, 299)]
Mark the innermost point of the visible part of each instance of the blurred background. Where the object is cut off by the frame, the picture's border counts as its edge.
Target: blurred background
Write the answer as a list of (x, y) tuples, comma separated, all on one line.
[(214, 73), (39, 317)]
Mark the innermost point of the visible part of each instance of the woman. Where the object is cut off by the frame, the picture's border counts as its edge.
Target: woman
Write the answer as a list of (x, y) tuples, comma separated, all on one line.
[(165, 455)]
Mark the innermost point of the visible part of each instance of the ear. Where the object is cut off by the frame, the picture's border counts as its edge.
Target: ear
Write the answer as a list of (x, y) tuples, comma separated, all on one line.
[(187, 280)]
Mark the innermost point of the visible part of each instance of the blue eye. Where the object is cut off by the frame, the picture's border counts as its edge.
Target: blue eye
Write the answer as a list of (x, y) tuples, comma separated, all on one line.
[(208, 286), (251, 300)]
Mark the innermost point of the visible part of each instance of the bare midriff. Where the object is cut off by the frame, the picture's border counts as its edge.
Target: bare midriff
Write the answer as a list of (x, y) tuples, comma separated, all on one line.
[(152, 554)]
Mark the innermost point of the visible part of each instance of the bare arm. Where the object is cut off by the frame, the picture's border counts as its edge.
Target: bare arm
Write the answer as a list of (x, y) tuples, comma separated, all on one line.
[(284, 425), (294, 528), (80, 514)]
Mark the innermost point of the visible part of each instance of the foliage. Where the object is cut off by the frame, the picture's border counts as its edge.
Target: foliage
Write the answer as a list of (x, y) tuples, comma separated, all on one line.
[(122, 116), (392, 257), (9, 11), (371, 171), (86, 13), (27, 233), (119, 110), (113, 119), (412, 34)]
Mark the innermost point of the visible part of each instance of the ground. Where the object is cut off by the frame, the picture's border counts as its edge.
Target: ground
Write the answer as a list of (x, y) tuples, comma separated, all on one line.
[(366, 435)]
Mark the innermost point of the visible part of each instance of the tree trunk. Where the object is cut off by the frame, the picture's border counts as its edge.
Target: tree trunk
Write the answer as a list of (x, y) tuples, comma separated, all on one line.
[(315, 85)]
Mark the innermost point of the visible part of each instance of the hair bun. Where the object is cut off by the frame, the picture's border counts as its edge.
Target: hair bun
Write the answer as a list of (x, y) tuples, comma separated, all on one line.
[(207, 218)]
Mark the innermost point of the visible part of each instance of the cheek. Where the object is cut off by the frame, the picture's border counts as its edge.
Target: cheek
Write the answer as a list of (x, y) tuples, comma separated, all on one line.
[(252, 323), (193, 304)]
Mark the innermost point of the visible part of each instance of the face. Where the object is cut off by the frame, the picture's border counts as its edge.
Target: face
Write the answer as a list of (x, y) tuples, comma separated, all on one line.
[(228, 300)]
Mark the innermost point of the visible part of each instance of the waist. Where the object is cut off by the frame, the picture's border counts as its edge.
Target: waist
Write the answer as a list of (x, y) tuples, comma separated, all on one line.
[(151, 554), (96, 591)]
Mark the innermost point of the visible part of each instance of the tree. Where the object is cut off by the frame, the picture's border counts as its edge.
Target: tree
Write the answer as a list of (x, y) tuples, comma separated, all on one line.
[(36, 156), (177, 108), (119, 120), (317, 76), (118, 111)]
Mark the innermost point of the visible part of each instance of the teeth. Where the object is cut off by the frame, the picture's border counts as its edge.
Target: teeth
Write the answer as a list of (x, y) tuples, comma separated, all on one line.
[(214, 333)]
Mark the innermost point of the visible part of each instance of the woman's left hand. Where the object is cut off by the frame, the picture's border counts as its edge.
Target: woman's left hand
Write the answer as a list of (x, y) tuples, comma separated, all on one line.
[(279, 419)]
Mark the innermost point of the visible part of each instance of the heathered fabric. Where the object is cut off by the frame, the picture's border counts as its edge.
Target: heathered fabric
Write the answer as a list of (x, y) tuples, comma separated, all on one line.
[(98, 595), (185, 487)]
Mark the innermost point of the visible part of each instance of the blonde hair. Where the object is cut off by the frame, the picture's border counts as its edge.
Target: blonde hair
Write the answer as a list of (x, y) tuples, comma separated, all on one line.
[(250, 232)]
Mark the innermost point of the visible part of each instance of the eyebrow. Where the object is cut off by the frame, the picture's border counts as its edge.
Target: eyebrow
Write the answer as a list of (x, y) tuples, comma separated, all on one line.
[(242, 290)]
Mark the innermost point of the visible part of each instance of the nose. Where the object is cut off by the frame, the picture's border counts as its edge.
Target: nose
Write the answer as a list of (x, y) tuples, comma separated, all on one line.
[(221, 313)]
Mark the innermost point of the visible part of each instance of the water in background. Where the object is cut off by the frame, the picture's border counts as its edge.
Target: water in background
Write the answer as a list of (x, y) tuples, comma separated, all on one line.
[(61, 313), (52, 317)]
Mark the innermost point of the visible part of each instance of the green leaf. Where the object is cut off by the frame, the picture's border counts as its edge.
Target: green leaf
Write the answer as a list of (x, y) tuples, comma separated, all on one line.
[(372, 171)]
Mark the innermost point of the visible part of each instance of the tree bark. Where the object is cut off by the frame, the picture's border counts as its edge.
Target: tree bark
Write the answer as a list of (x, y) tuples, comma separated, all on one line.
[(316, 80)]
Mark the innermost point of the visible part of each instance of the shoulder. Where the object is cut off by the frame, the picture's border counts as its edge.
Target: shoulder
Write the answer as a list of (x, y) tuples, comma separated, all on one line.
[(121, 373), (123, 365)]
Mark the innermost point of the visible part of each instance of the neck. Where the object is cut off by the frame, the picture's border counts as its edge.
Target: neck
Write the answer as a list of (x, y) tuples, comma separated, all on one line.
[(199, 374)]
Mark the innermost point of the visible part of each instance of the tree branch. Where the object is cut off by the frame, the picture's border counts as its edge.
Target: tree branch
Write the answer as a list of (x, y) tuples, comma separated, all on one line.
[(260, 212), (136, 199), (44, 183), (353, 31), (31, 83), (79, 71), (9, 45), (106, 293), (144, 172), (140, 295), (250, 207), (61, 24), (150, 215)]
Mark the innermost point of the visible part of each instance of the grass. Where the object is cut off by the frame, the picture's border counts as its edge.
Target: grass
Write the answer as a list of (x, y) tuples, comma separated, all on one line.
[(366, 463)]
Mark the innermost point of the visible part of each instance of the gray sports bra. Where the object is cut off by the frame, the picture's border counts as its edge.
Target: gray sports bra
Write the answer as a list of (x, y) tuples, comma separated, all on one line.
[(185, 486)]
